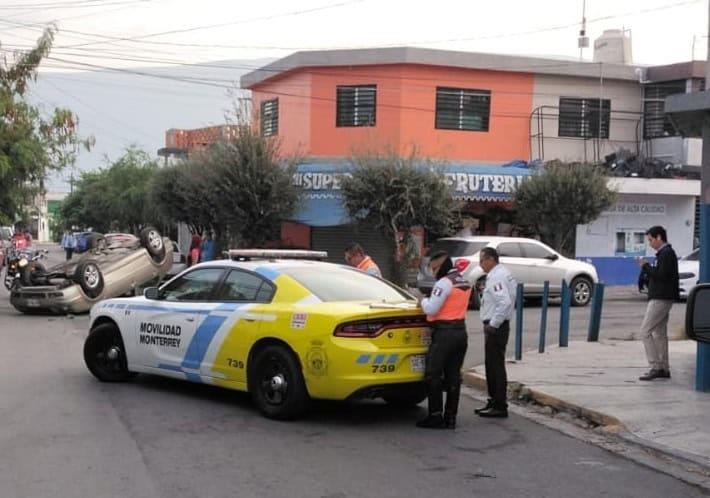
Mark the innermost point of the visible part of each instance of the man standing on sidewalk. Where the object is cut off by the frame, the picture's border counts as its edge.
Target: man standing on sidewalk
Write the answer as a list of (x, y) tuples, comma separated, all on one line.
[(662, 291), (497, 307)]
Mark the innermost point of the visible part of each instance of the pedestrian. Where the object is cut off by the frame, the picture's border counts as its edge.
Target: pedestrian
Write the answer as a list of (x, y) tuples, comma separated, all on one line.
[(446, 311), (68, 243), (355, 256), (207, 251), (663, 289), (497, 307), (193, 255)]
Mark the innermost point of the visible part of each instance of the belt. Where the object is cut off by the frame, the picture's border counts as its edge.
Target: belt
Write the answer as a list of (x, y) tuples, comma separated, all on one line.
[(486, 322)]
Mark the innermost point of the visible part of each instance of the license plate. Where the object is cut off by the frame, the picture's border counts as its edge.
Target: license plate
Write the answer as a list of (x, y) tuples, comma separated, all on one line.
[(417, 362), (33, 303)]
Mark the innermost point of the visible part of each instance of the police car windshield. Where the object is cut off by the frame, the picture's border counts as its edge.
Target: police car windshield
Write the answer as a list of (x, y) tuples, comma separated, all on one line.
[(344, 284), (458, 248)]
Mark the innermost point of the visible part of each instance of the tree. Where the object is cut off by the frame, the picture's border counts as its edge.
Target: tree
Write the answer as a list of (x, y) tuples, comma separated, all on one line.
[(553, 202), (392, 194), (239, 188), (31, 145), (115, 197)]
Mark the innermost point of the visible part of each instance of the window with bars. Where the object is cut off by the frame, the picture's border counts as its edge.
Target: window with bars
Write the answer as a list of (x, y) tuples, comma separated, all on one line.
[(356, 105), (584, 118), (655, 122), (270, 117), (462, 109)]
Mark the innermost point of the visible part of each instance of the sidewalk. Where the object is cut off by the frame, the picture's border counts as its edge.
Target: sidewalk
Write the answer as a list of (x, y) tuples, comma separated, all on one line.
[(600, 382)]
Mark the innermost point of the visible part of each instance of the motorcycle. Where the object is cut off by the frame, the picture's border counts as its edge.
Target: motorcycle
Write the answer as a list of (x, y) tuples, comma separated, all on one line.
[(23, 265)]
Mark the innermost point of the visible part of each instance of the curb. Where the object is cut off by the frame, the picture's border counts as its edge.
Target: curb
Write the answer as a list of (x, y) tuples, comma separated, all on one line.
[(611, 424), (608, 424)]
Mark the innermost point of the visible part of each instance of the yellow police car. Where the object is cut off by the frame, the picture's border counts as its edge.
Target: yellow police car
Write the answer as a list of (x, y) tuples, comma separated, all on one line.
[(285, 330)]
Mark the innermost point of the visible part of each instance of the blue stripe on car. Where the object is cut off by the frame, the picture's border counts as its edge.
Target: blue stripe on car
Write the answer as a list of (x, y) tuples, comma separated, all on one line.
[(201, 341)]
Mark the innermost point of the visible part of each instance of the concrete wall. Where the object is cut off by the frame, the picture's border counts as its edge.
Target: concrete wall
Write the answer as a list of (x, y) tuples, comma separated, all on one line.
[(624, 128), (634, 213)]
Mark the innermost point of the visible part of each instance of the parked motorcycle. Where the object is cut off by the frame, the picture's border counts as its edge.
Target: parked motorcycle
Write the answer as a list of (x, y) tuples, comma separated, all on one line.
[(24, 267)]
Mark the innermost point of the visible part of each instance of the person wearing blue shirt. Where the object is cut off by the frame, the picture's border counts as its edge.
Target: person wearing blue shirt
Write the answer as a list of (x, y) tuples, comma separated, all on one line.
[(68, 243), (208, 248)]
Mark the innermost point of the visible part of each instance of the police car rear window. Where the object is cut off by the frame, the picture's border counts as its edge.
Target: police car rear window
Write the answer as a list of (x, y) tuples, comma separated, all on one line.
[(344, 284)]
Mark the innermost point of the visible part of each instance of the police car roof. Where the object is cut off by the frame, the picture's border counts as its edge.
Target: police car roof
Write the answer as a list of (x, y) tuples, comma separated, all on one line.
[(268, 263)]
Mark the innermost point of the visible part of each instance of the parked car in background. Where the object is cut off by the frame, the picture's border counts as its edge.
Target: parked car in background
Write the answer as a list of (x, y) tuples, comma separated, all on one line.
[(530, 261)]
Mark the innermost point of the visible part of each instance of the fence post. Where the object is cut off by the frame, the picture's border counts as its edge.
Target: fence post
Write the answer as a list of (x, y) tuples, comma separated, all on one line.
[(564, 315), (543, 317), (519, 323), (595, 320)]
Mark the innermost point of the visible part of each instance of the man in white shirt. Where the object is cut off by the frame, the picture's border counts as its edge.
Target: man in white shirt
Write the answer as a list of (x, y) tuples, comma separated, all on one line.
[(497, 308)]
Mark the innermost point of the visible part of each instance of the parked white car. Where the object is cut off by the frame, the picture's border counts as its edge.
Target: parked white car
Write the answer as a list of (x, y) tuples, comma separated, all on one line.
[(688, 272), (530, 261)]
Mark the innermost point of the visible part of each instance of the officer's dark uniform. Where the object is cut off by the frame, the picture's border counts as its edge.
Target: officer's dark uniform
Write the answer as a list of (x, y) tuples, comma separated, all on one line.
[(446, 311)]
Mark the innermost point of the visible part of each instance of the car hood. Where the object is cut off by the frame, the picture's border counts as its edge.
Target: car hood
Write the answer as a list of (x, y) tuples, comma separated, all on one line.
[(685, 266)]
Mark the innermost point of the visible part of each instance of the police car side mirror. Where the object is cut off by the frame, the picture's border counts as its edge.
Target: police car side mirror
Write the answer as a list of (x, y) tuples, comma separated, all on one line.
[(151, 293), (697, 314)]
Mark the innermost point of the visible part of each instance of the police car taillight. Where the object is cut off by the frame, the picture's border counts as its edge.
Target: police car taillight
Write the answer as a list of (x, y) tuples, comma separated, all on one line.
[(462, 264), (373, 328)]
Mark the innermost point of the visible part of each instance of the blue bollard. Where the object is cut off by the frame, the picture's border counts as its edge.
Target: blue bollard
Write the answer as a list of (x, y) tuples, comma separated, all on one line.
[(595, 319), (543, 317), (519, 323), (564, 315)]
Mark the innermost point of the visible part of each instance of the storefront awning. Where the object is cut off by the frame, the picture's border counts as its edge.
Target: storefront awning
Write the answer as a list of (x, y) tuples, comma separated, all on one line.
[(322, 198)]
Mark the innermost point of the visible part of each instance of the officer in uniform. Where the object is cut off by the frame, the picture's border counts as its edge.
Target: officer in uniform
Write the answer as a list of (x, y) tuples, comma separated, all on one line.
[(497, 307), (355, 256), (446, 311)]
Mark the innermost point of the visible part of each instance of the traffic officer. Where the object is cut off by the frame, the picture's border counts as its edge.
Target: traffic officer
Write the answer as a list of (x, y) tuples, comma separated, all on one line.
[(355, 256), (446, 311), (497, 307)]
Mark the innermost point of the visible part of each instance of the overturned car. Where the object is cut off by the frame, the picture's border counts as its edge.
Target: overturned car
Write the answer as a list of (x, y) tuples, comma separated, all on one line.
[(114, 267)]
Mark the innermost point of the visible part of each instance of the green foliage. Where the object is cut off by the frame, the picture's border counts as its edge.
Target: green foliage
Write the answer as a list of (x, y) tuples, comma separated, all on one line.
[(562, 196), (114, 198), (31, 145), (238, 188), (392, 194)]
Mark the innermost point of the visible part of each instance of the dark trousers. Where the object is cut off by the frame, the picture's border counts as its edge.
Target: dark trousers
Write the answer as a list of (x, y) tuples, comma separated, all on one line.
[(496, 377), (69, 252), (449, 342)]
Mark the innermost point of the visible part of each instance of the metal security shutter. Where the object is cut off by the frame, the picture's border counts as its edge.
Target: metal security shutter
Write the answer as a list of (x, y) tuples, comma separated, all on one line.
[(336, 239)]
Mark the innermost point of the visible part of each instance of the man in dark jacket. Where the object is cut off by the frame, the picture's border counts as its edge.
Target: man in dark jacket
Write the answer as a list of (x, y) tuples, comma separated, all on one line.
[(662, 291)]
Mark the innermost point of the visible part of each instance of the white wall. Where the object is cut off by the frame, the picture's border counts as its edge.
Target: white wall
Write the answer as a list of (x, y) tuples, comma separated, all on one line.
[(598, 239)]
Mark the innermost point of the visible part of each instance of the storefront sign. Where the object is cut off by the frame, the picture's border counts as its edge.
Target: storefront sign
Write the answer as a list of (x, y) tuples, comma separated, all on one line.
[(476, 185), (319, 185), (637, 208)]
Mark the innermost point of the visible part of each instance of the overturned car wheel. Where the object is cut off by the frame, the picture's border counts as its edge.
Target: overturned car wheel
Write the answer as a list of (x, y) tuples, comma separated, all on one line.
[(153, 243), (105, 355), (88, 276)]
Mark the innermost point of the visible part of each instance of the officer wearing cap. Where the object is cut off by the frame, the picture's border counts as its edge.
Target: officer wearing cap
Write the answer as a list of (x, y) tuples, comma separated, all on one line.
[(446, 311), (497, 307)]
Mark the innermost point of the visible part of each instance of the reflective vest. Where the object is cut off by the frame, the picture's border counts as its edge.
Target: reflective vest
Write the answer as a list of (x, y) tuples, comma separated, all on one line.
[(456, 304), (367, 264)]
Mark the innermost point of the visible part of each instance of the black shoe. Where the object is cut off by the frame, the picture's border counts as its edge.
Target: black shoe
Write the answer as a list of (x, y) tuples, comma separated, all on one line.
[(489, 405), (494, 413), (654, 374), (432, 422), (450, 422), (665, 374)]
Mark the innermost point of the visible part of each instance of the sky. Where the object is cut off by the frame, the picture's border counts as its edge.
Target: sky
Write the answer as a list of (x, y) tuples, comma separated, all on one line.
[(118, 108)]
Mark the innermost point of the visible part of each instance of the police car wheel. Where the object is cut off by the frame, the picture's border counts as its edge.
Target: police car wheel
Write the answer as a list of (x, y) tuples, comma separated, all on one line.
[(581, 290), (153, 243), (406, 398), (276, 383), (104, 354)]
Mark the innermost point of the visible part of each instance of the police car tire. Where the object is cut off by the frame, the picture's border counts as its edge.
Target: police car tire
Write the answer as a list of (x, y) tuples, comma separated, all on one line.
[(153, 243), (577, 281), (91, 289), (100, 340), (406, 398), (278, 359)]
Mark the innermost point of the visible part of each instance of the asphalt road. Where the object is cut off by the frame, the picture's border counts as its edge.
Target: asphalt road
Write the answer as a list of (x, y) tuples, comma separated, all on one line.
[(65, 434)]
